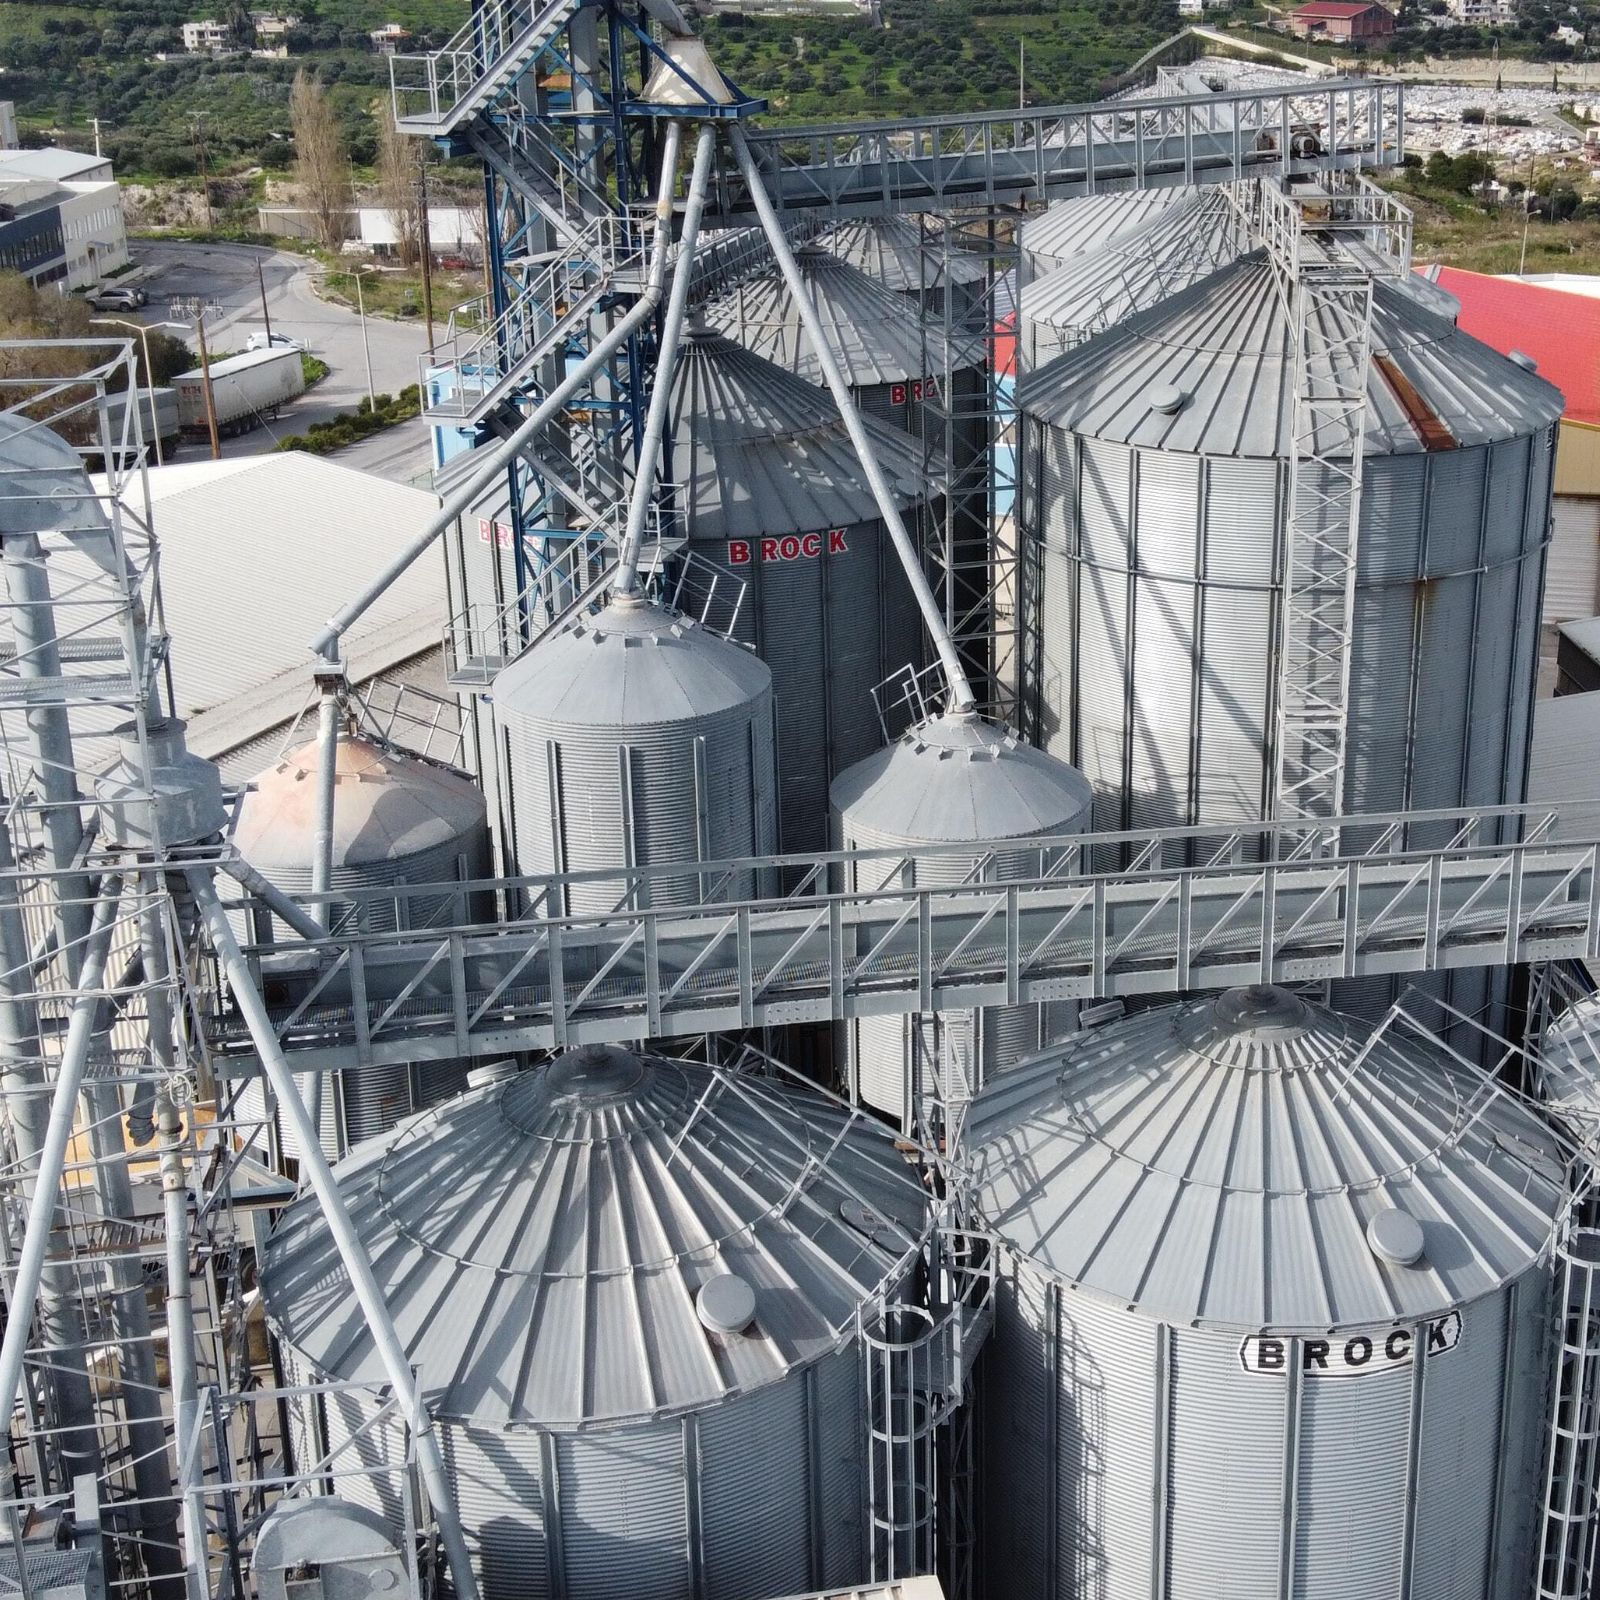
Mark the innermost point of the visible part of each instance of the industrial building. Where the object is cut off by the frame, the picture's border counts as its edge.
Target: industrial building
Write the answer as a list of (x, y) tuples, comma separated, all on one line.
[(969, 971)]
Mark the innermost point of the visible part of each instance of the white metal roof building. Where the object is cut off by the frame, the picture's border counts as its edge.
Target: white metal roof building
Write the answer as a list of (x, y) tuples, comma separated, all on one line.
[(293, 536)]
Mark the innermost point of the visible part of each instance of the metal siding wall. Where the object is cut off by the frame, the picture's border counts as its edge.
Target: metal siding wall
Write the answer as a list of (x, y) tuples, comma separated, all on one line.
[(1572, 591), (624, 1515), (755, 1493), (498, 1479), (1018, 1381), (839, 1398), (1525, 1438), (1460, 1458), (1108, 1417), (1225, 1509), (665, 808), (1351, 1489)]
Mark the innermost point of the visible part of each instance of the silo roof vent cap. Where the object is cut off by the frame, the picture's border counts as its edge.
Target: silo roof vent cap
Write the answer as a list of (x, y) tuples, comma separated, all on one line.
[(1168, 398), (1524, 360), (726, 1303), (1395, 1236)]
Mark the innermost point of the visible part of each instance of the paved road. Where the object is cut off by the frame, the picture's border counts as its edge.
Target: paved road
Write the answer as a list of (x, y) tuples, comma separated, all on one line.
[(225, 275)]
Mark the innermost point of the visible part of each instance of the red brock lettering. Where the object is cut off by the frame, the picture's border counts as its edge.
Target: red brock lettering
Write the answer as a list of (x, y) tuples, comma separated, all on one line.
[(769, 549), (897, 394), (738, 552), (484, 536), (811, 545), (836, 544)]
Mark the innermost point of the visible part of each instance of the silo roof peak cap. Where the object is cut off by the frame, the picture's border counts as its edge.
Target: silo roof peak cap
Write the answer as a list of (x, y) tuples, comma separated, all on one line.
[(1168, 399)]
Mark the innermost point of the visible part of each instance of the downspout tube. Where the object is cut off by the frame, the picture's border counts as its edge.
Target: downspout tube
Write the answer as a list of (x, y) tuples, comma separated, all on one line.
[(955, 674), (58, 1133), (314, 1166), (655, 426), (495, 461)]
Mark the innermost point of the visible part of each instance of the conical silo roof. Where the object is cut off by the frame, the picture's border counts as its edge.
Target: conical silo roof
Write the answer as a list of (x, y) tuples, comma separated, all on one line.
[(546, 1244), (958, 777), (877, 335), (1570, 1064), (633, 664), (895, 252), (386, 807), (1090, 222), (1181, 244), (759, 451), (1209, 372), (1238, 1162)]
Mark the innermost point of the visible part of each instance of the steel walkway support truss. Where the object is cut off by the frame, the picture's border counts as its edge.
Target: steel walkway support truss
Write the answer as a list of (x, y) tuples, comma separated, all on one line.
[(1270, 906)]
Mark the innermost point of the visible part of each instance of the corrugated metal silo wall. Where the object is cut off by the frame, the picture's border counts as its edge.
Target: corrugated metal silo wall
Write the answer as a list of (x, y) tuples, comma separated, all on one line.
[(582, 800), (1158, 613), (1125, 1459), (832, 614), (763, 1495), (883, 1055)]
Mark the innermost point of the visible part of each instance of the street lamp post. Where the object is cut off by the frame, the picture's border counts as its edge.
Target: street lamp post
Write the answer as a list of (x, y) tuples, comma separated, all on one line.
[(366, 349), (199, 310), (143, 330)]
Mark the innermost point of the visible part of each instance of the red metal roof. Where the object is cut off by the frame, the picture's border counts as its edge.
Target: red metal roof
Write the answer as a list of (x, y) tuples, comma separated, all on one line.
[(1335, 8), (1561, 331)]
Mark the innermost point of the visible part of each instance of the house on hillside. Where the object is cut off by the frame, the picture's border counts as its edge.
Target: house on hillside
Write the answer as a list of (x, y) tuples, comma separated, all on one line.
[(1340, 21)]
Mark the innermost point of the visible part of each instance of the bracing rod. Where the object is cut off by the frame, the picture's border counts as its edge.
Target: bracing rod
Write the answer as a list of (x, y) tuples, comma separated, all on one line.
[(363, 1282), (955, 675), (661, 395), (495, 461)]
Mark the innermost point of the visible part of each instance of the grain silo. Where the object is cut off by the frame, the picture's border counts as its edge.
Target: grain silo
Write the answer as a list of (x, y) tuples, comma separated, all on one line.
[(1156, 492), (1085, 225), (953, 779), (1179, 245), (770, 488), (909, 257), (1272, 1313), (1155, 489), (398, 823), (634, 737), (630, 1287), (901, 370)]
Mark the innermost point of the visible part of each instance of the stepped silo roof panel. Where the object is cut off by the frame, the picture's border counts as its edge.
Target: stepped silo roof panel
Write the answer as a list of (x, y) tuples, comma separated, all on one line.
[(761, 451), (634, 663), (544, 1243), (956, 778), (1224, 344), (1090, 222), (877, 336), (898, 254), (1220, 1163)]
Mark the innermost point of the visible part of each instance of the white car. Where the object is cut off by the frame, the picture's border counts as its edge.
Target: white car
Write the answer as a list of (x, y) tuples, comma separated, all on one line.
[(272, 341)]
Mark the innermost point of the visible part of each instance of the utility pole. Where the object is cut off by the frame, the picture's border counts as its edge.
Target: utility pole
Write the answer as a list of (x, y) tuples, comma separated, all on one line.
[(96, 122), (266, 316), (1022, 73), (205, 383), (425, 243)]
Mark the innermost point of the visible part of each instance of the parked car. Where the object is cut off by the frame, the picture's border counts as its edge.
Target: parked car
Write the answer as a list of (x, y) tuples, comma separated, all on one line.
[(112, 297), (455, 263), (272, 341)]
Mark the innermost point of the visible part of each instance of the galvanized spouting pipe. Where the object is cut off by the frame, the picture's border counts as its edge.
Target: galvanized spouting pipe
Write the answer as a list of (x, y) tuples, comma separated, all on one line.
[(352, 1252), (23, 1087), (644, 480), (326, 643), (53, 1150), (277, 902), (955, 675)]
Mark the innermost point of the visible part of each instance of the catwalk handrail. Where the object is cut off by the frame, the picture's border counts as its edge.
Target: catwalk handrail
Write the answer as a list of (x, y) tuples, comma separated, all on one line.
[(1084, 926), (1000, 157)]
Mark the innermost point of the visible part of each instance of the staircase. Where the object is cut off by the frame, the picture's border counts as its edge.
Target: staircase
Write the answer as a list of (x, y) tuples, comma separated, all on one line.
[(434, 94)]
